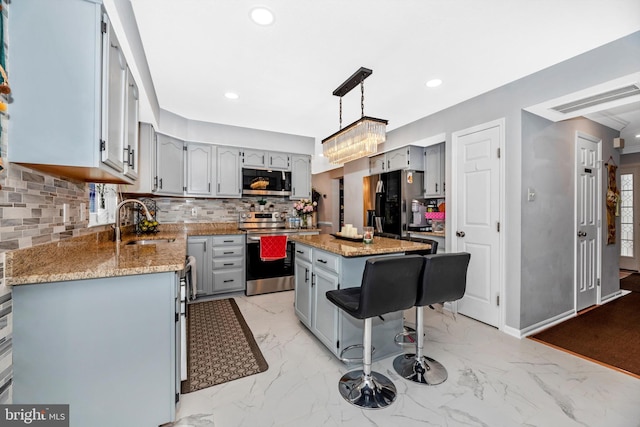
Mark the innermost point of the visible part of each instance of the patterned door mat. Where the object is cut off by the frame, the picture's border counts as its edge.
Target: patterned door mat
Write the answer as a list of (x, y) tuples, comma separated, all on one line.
[(220, 345)]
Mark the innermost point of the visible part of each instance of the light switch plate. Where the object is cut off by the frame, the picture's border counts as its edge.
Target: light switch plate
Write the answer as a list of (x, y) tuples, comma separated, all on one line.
[(531, 194), (65, 212)]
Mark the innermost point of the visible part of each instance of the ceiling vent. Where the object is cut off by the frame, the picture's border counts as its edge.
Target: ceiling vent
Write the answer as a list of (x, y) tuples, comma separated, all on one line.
[(600, 98)]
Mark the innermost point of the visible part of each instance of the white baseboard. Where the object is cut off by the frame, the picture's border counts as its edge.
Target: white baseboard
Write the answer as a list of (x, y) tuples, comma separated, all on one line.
[(534, 329)]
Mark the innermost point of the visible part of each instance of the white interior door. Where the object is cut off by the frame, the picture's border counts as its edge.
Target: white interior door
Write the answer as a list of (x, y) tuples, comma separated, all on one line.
[(587, 219), (629, 259), (477, 217)]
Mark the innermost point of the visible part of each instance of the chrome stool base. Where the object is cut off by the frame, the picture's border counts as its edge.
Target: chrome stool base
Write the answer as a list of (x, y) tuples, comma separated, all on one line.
[(376, 392), (423, 370)]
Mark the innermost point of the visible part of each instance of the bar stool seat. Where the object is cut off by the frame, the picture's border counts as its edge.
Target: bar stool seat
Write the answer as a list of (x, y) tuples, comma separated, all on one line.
[(444, 279), (389, 284)]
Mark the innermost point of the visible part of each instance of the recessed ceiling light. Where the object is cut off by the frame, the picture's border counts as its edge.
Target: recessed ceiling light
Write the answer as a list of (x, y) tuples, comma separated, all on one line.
[(262, 16), (638, 135), (231, 95), (434, 83)]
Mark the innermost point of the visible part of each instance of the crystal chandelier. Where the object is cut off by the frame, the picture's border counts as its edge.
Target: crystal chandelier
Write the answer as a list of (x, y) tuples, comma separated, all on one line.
[(360, 138)]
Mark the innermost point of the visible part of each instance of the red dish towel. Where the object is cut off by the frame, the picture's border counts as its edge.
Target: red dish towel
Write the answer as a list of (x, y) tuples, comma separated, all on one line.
[(273, 247)]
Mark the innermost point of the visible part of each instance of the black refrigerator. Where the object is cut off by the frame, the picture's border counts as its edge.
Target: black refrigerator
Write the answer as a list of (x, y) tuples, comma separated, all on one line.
[(387, 200)]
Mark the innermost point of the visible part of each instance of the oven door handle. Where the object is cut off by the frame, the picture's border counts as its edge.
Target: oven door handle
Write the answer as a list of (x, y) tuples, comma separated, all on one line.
[(253, 239)]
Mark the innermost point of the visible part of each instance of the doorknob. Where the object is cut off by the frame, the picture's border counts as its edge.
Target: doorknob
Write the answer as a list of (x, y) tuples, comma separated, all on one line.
[(460, 233), (582, 234)]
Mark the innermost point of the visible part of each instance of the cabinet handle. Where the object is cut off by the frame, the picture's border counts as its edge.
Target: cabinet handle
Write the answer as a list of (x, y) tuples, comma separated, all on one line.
[(155, 182), (227, 241), (228, 253), (388, 164), (161, 183), (436, 187), (209, 188), (133, 159), (204, 244), (300, 252), (229, 280), (322, 261), (227, 263), (218, 187), (306, 275)]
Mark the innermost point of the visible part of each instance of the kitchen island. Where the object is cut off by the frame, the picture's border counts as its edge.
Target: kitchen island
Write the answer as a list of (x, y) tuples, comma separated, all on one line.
[(324, 263)]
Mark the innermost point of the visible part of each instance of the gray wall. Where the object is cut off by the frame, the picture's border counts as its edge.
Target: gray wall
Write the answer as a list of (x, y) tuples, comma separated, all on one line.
[(613, 60), (548, 222)]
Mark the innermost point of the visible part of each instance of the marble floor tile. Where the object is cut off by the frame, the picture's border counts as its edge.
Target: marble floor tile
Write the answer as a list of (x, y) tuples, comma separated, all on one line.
[(494, 380)]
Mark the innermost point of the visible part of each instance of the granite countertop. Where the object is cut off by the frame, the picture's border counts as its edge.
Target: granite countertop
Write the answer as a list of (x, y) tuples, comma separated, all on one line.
[(346, 248), (96, 255)]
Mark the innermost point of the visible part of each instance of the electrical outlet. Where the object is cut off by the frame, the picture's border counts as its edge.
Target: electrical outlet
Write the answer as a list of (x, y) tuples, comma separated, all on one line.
[(194, 211), (65, 212)]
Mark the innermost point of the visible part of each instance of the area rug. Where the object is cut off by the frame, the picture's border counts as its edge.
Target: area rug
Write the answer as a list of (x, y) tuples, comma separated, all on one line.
[(608, 334), (220, 345), (631, 282)]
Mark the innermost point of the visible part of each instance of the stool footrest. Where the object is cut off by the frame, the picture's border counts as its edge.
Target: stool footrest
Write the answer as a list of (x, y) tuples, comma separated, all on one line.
[(354, 359), (400, 337)]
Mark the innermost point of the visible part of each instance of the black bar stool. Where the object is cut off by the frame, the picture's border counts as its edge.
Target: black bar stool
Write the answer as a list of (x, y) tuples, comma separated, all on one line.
[(444, 279), (389, 284)]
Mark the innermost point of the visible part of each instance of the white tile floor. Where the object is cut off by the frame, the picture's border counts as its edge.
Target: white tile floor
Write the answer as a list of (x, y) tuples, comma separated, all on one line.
[(494, 380)]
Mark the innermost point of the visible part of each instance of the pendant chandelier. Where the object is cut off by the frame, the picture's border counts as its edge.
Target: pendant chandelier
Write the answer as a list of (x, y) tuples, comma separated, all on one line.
[(360, 138)]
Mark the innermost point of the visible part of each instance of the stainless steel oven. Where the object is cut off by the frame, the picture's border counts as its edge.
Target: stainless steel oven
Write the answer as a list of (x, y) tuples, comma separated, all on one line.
[(267, 276)]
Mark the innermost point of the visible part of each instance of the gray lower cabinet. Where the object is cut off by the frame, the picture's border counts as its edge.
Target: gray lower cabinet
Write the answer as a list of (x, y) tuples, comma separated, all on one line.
[(220, 263), (199, 247), (107, 347), (318, 271), (227, 263)]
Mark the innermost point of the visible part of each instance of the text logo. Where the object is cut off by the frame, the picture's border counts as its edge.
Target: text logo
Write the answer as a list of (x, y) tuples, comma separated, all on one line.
[(34, 415)]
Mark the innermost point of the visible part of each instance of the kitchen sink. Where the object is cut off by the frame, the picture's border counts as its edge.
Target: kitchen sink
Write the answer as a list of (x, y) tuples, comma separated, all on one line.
[(150, 241)]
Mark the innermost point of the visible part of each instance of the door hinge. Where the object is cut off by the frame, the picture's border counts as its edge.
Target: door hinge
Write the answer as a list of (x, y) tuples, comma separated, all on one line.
[(104, 27), (338, 286), (498, 226), (177, 397), (498, 300), (177, 317), (103, 145), (498, 152), (184, 148), (184, 189), (598, 281)]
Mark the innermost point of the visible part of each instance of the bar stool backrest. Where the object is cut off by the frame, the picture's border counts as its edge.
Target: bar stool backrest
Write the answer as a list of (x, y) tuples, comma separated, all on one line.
[(444, 278), (389, 284)]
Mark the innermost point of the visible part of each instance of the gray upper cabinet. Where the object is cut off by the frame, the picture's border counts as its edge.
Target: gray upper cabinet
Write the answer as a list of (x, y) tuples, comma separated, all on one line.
[(170, 165), (199, 169), (434, 171), (300, 177), (409, 157), (132, 132), (279, 161), (377, 164), (113, 103), (260, 159), (229, 172), (145, 159), (254, 159), (62, 44)]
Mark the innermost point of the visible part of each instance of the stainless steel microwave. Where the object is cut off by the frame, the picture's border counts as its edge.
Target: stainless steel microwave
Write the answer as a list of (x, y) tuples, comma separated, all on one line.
[(266, 183)]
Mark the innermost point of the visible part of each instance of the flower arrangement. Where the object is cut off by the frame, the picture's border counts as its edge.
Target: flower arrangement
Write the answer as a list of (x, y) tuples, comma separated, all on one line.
[(304, 207)]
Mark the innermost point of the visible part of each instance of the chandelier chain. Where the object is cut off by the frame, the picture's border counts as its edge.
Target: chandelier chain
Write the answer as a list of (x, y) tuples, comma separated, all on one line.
[(340, 113), (362, 97)]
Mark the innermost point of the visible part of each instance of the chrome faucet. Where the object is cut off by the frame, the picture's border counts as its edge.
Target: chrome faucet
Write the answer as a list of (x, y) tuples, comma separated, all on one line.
[(122, 203)]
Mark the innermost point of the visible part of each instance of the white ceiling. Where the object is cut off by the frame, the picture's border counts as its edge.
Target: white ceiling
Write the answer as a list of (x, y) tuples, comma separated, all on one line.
[(285, 73)]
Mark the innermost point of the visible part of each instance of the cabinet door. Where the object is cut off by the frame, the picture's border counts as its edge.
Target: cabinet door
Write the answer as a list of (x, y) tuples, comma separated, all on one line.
[(131, 149), (377, 164), (199, 169), (324, 313), (302, 302), (170, 165), (229, 172), (279, 161), (397, 159), (199, 247), (300, 177), (113, 102), (254, 159), (433, 185)]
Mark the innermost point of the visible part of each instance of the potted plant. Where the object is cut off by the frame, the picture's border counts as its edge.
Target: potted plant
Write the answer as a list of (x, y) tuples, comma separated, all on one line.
[(262, 202)]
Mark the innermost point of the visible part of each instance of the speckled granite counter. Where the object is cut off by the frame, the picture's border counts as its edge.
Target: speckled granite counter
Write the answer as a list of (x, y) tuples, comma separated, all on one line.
[(346, 248), (96, 255)]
